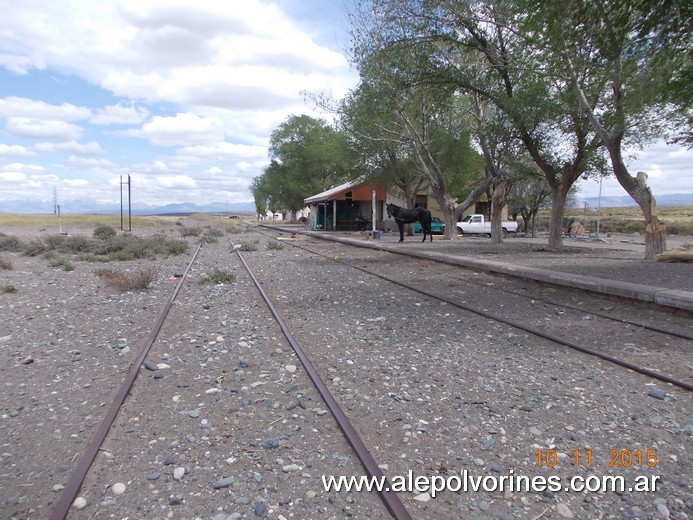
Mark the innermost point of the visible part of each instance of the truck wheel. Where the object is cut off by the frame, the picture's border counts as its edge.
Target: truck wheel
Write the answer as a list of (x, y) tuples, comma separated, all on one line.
[(505, 233)]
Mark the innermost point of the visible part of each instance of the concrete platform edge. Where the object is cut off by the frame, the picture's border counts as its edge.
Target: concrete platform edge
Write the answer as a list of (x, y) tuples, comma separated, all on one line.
[(671, 298)]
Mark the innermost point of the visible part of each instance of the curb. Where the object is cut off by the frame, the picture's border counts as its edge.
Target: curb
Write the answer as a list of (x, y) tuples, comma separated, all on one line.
[(671, 298)]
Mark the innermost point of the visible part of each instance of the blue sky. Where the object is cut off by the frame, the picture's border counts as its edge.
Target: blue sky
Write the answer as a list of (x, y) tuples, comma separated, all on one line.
[(182, 96)]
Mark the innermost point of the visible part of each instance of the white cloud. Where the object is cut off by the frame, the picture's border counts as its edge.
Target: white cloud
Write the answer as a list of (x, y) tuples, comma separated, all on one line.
[(119, 115), (14, 151), (42, 128), (668, 169), (23, 167), (10, 177), (82, 163), (226, 151), (21, 107), (91, 148), (176, 181), (77, 182), (179, 130)]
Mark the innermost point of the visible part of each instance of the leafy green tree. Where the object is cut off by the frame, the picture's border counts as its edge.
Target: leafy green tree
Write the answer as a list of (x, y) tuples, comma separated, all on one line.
[(477, 47), (261, 194), (527, 195), (307, 156), (380, 155), (637, 58), (422, 122)]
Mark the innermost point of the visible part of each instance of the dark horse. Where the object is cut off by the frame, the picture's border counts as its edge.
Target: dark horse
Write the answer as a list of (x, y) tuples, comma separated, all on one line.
[(408, 216)]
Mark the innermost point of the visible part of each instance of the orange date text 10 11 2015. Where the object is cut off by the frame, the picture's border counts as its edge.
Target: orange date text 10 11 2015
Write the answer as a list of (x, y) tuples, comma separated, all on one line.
[(617, 458)]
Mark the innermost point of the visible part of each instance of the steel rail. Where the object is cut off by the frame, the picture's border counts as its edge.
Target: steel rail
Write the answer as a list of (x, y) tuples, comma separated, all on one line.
[(391, 500), (518, 325), (77, 477), (604, 315)]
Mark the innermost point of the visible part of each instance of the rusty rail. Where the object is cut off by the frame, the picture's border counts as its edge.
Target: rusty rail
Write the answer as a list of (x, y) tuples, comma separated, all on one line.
[(77, 477), (391, 500)]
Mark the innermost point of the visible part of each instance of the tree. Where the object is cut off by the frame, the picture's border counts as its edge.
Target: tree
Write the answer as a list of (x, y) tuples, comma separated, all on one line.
[(633, 57), (527, 195), (261, 194), (421, 117), (307, 156), (455, 37), (366, 118)]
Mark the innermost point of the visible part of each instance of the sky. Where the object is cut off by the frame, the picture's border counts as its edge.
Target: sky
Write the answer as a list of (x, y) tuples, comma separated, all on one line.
[(182, 96)]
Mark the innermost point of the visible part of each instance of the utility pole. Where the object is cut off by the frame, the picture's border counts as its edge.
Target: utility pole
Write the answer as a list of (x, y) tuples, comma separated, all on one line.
[(129, 204)]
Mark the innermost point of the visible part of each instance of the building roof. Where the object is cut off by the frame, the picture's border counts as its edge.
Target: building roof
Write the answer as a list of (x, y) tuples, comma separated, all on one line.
[(332, 193)]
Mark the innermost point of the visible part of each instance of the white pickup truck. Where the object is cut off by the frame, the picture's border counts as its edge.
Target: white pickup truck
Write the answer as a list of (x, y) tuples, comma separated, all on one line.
[(477, 224)]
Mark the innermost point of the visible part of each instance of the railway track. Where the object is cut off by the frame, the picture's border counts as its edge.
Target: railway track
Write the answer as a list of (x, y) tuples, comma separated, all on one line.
[(589, 312), (416, 404)]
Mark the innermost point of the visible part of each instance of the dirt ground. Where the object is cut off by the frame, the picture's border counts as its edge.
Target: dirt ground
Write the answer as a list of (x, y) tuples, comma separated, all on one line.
[(225, 424)]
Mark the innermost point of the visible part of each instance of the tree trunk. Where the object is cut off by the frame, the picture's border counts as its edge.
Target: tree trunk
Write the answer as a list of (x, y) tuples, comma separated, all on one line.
[(501, 189), (447, 206), (556, 222), (655, 229), (636, 187), (452, 210)]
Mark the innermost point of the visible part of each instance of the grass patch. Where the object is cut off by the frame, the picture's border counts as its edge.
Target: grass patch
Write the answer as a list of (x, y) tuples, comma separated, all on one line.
[(127, 281), (627, 220), (275, 245), (247, 247), (67, 221), (117, 248), (104, 232), (186, 231), (211, 235), (9, 289), (5, 265), (10, 243), (217, 276), (61, 263)]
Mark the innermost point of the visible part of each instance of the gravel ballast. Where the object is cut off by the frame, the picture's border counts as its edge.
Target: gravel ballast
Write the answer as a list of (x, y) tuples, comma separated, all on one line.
[(223, 421)]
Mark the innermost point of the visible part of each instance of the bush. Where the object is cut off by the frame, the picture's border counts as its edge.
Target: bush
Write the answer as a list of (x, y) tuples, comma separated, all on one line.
[(61, 263), (218, 276), (275, 245), (75, 244), (190, 231), (213, 232), (35, 248), (8, 289), (10, 243), (5, 265), (127, 281), (211, 235), (104, 232)]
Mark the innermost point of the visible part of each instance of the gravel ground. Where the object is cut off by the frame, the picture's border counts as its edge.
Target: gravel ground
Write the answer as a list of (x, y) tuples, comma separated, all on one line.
[(230, 426)]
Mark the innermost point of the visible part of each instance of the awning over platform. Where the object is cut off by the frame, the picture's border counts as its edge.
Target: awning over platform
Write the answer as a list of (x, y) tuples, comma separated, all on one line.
[(359, 192)]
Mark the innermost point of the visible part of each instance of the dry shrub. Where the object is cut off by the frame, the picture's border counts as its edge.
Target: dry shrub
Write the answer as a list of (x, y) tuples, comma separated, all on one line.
[(190, 231), (127, 281), (217, 276), (60, 263), (5, 265), (10, 243), (104, 232), (35, 248)]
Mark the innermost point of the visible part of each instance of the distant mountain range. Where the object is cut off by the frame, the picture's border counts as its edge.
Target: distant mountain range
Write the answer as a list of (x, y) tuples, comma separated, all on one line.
[(96, 208), (679, 199)]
